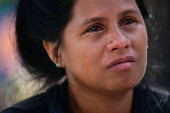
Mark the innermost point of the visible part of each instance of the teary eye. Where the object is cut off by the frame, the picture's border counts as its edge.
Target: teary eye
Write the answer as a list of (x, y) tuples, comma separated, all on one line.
[(94, 29), (127, 22)]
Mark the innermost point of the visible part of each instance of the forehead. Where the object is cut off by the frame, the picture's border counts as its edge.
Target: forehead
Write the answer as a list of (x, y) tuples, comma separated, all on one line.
[(89, 8), (103, 2)]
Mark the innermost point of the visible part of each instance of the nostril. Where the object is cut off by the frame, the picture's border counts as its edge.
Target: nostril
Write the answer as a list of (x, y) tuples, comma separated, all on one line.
[(118, 44), (126, 46), (114, 49)]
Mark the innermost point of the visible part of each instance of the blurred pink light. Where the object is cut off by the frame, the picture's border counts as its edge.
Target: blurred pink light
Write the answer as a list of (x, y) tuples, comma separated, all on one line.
[(7, 43)]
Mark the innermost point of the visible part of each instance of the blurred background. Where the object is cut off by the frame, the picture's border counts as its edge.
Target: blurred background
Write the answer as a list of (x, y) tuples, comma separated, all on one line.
[(16, 84)]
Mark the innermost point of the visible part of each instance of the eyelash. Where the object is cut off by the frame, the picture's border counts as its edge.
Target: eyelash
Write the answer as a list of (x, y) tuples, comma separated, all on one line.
[(99, 28), (93, 28), (127, 20)]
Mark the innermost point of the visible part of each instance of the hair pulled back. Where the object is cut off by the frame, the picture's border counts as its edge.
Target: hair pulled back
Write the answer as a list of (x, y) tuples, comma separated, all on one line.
[(39, 20)]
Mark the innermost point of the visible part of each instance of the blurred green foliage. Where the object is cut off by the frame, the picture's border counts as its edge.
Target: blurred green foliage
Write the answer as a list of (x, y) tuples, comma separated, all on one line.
[(5, 3)]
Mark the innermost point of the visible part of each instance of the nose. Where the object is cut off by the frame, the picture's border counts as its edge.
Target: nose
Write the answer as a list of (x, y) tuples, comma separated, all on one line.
[(118, 41)]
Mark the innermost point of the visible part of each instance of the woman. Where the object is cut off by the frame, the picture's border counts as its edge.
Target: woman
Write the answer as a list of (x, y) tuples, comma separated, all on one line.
[(100, 45)]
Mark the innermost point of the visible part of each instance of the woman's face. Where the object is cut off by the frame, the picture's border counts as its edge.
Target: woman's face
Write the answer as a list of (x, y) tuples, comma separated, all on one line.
[(105, 45)]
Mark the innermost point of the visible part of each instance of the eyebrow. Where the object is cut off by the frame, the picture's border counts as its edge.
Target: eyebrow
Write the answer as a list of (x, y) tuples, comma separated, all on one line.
[(94, 20), (105, 19), (130, 11)]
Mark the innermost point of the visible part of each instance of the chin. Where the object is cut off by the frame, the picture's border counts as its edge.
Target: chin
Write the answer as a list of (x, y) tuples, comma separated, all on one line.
[(123, 84)]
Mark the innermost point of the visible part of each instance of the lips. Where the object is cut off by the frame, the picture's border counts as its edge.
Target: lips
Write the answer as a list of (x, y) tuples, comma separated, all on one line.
[(122, 63)]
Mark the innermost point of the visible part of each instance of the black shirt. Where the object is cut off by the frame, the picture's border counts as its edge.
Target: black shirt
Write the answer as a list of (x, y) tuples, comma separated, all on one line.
[(146, 100)]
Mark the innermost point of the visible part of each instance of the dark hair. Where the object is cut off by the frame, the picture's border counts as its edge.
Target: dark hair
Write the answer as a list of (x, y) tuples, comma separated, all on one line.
[(38, 20)]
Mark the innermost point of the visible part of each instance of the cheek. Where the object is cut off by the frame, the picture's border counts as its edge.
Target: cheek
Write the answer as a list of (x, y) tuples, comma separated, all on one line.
[(139, 40), (82, 57), (140, 46)]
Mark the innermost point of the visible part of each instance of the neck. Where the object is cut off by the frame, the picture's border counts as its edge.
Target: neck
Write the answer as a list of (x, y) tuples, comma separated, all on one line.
[(83, 101)]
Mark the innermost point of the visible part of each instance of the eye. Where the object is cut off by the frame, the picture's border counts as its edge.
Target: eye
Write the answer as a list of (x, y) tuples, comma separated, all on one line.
[(128, 22), (94, 28)]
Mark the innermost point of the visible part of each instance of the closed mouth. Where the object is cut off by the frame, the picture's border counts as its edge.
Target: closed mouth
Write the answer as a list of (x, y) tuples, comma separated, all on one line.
[(122, 63)]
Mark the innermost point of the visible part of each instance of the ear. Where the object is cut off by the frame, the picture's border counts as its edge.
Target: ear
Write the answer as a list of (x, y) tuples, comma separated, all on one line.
[(50, 48)]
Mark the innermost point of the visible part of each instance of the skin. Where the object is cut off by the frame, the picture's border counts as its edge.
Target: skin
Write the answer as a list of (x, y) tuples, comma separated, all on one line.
[(89, 45)]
